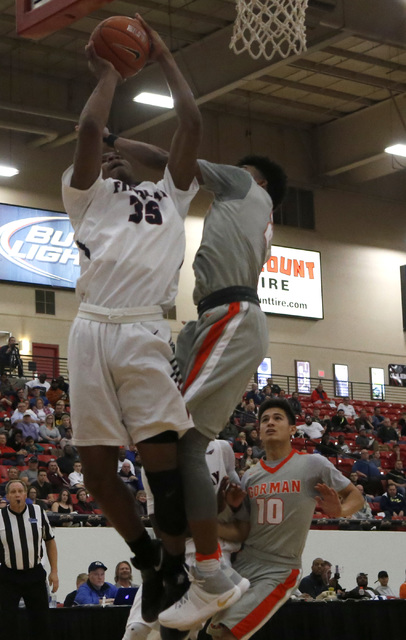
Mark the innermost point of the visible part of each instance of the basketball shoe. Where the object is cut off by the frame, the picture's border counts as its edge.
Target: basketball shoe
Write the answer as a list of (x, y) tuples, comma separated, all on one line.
[(208, 594), (153, 591)]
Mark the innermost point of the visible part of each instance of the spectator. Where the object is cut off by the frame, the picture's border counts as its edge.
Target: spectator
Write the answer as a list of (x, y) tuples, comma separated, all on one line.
[(30, 475), (240, 445), (255, 395), (319, 396), (15, 441), (327, 447), (41, 410), (141, 504), (6, 422), (282, 394), (59, 413), (10, 357), (76, 477), (313, 584), (368, 474), (376, 459), (275, 388), (28, 427), (394, 455), (339, 422), (127, 476), (31, 447), (85, 506), (12, 474), (8, 452), (38, 383), (49, 432), (32, 498), (342, 446), (36, 393), (56, 477), (353, 477), (65, 462), (313, 430), (63, 506), (253, 438), (365, 512), (44, 488), (363, 441), (248, 460), (54, 393), (316, 416), (122, 458), (96, 588), (18, 414), (386, 433), (363, 422), (63, 385), (377, 418), (70, 598), (123, 575), (295, 404), (402, 425), (397, 476), (64, 424), (250, 414), (347, 407), (384, 589), (67, 439), (393, 502), (361, 590)]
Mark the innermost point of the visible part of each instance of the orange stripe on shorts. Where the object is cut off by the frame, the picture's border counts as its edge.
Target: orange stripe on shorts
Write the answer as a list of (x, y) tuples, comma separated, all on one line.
[(209, 342), (263, 610)]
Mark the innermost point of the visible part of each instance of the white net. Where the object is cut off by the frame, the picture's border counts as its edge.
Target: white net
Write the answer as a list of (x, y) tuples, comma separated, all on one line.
[(266, 27)]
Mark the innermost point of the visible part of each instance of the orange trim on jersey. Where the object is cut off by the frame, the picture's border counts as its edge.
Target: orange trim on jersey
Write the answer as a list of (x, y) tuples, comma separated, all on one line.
[(209, 342), (275, 469), (264, 609)]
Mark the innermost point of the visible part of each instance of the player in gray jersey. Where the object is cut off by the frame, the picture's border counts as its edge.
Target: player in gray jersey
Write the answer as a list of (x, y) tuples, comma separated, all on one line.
[(274, 519), (218, 353)]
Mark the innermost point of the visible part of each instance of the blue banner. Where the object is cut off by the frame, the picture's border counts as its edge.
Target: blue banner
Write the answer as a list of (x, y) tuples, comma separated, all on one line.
[(37, 247)]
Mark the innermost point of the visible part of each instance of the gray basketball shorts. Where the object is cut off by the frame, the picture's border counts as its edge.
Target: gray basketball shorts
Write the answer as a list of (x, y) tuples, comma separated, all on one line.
[(271, 586), (217, 355)]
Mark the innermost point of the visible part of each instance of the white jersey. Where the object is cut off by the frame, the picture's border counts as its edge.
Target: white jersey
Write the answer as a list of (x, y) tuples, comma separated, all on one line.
[(280, 503), (131, 240)]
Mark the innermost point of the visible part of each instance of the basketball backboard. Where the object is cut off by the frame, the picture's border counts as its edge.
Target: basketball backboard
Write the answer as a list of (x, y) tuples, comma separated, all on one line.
[(38, 18)]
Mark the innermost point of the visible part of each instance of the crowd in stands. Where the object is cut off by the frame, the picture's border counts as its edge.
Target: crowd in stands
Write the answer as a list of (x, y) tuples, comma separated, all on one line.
[(365, 440)]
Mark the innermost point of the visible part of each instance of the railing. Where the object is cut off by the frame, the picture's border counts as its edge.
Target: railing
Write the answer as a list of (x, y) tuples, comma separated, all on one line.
[(53, 367), (356, 390)]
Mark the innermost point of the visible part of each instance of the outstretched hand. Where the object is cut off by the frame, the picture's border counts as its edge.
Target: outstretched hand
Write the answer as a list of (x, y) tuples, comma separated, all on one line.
[(329, 500), (235, 495), (99, 66), (158, 46)]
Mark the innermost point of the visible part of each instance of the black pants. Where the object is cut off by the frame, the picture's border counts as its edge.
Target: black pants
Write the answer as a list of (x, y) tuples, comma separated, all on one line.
[(29, 585)]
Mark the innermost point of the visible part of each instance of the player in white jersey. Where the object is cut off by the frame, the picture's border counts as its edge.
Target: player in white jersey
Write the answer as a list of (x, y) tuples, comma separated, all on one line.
[(132, 244), (217, 354), (274, 520), (221, 464)]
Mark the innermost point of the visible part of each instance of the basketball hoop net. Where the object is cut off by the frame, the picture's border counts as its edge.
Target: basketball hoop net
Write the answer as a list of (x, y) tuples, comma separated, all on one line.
[(266, 27)]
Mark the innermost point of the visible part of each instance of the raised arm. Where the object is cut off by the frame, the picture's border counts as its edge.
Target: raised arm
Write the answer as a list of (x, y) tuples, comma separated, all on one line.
[(93, 119), (185, 142)]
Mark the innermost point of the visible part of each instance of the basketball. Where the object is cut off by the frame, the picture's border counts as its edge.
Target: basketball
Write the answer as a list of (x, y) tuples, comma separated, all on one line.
[(123, 42)]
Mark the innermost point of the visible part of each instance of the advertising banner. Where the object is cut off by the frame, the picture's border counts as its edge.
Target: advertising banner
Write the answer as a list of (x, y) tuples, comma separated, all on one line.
[(397, 375), (290, 283), (37, 247)]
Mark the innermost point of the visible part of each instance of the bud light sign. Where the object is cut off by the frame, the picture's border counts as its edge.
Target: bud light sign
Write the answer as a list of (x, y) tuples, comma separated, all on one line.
[(37, 247)]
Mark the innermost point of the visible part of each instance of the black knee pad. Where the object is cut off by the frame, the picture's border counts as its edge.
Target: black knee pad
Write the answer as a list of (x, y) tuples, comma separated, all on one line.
[(169, 507), (163, 438)]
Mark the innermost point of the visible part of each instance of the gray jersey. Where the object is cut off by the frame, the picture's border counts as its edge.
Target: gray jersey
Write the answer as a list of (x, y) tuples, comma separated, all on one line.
[(237, 231), (280, 504)]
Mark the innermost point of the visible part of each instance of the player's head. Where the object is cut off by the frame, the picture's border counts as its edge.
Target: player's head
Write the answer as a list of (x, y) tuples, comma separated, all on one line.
[(277, 422), (267, 174), (114, 166)]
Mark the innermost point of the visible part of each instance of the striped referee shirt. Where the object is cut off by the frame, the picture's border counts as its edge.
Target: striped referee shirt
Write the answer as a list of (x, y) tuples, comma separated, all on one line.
[(21, 536)]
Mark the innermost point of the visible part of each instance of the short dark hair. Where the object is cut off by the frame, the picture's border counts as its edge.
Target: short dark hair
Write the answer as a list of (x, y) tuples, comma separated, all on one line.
[(272, 173), (280, 403)]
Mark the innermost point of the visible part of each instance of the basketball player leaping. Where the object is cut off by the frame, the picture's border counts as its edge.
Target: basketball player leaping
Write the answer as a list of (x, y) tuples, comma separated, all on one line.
[(131, 241), (274, 521), (218, 353)]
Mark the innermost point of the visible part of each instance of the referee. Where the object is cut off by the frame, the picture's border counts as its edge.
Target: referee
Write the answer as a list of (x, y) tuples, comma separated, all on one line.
[(23, 527)]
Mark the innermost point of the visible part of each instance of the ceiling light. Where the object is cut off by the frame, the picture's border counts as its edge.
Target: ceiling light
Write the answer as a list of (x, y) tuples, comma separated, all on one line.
[(154, 99), (8, 172), (397, 150)]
